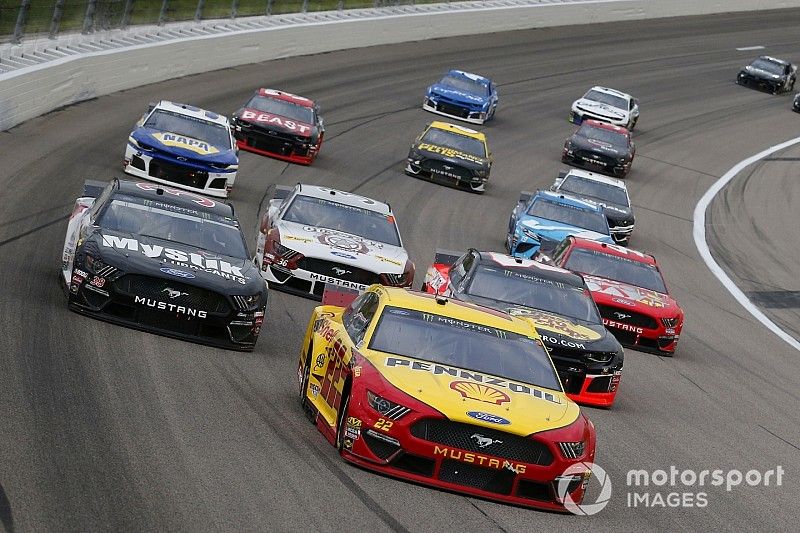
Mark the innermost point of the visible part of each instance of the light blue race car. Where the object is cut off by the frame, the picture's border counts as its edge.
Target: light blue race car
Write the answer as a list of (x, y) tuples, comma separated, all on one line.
[(543, 219), (463, 96)]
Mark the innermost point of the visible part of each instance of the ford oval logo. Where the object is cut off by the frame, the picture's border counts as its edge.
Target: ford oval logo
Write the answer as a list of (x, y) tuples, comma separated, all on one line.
[(342, 254), (487, 417), (177, 273)]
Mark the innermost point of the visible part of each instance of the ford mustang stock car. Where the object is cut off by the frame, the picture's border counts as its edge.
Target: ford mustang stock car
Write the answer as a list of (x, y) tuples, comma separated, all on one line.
[(606, 105), (463, 96), (452, 155), (610, 193), (163, 260), (280, 125), (401, 384), (183, 146), (587, 356), (543, 219), (630, 292), (770, 74), (312, 236), (602, 147)]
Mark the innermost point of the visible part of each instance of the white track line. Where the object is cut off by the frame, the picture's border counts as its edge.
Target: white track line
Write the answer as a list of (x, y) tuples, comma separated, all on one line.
[(745, 48), (702, 246)]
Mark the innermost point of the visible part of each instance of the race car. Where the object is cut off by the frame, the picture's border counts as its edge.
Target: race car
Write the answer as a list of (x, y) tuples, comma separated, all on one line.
[(183, 146), (586, 355), (770, 74), (606, 105), (280, 125), (401, 384), (464, 96), (541, 220), (630, 292), (311, 237), (452, 155), (602, 147), (796, 103), (610, 193), (162, 260)]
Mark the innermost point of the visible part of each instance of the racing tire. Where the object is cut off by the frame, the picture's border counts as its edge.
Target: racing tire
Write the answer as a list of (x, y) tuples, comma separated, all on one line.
[(307, 408), (633, 124), (341, 419), (791, 87)]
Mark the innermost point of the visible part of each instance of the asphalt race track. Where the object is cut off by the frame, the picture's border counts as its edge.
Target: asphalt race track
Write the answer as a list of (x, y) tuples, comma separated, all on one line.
[(103, 427)]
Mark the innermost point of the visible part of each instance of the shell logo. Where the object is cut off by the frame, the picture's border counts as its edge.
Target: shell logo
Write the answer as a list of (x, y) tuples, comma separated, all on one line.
[(480, 392)]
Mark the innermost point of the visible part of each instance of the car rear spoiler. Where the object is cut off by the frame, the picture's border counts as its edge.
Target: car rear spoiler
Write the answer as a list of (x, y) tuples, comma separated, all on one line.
[(93, 188), (281, 192), (525, 197), (338, 296), (446, 257)]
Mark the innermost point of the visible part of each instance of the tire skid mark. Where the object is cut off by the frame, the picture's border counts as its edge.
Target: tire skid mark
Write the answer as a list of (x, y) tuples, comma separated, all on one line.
[(32, 231)]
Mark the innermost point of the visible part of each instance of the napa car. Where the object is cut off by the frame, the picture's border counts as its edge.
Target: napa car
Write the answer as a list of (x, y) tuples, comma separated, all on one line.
[(543, 219), (770, 74), (464, 96), (401, 384), (606, 105), (314, 237), (162, 260), (183, 146)]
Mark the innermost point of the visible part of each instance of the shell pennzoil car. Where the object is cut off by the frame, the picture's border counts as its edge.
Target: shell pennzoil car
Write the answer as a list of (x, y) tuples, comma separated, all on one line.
[(452, 155), (443, 393), (587, 356), (630, 292)]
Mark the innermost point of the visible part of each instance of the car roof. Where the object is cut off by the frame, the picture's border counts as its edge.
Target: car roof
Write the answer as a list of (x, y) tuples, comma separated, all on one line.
[(605, 126), (774, 60), (615, 250), (608, 90), (529, 266), (193, 111), (471, 76), (286, 97), (455, 128), (615, 182), (171, 195), (344, 197), (568, 199)]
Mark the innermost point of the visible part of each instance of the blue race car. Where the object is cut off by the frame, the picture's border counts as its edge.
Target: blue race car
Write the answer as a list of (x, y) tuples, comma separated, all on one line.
[(462, 96), (542, 220), (185, 147)]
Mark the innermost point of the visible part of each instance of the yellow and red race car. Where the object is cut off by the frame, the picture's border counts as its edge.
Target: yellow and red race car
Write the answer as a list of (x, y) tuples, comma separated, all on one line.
[(444, 393)]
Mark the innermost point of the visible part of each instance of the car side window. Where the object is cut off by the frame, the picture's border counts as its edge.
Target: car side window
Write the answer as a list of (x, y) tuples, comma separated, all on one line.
[(631, 104), (787, 69), (357, 317)]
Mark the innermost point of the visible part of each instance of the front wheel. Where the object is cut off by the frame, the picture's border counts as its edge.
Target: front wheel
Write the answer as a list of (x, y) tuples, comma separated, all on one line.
[(307, 408), (341, 422)]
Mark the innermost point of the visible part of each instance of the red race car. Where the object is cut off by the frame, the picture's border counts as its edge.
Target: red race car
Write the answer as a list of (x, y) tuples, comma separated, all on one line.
[(280, 125), (629, 290)]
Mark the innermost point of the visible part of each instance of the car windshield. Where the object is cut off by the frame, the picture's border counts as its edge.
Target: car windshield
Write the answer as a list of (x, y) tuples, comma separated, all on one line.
[(617, 268), (605, 98), (466, 85), (769, 66), (212, 133), (569, 215), (594, 189), (530, 290), (455, 141), (283, 108), (603, 135), (466, 345), (323, 213), (161, 220)]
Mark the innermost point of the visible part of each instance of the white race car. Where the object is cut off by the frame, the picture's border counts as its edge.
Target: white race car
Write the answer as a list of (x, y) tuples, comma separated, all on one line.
[(312, 236), (184, 146), (606, 105)]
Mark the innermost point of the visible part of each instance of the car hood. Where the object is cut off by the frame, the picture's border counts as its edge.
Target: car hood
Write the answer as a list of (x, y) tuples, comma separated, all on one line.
[(275, 122), (343, 248), (166, 259), (557, 231), (516, 407), (602, 109), (595, 145), (646, 301), (451, 155), (183, 146), (457, 94)]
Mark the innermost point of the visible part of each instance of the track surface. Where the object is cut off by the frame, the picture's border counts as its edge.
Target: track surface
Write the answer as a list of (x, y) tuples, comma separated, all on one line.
[(103, 427)]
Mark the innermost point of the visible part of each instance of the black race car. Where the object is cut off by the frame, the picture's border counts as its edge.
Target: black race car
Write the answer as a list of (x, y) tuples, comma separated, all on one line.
[(796, 103), (163, 260), (602, 147), (587, 357), (770, 74)]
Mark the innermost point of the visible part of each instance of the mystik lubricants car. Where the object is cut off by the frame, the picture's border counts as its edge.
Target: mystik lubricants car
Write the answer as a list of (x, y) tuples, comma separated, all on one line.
[(162, 260), (464, 96), (602, 147), (183, 146), (451, 155), (311, 237), (280, 125), (630, 292), (543, 219), (769, 73), (401, 384), (586, 355), (606, 105)]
